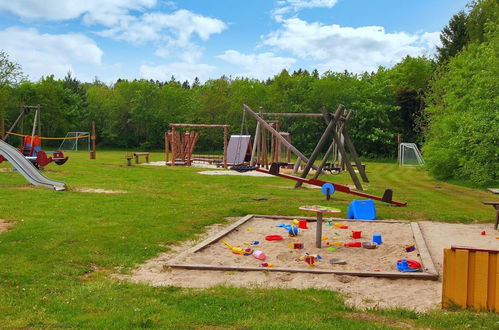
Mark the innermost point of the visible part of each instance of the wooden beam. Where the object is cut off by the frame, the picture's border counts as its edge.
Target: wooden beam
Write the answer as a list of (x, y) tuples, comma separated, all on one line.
[(327, 132), (225, 145), (93, 138), (292, 114), (199, 126), (275, 133), (422, 276), (424, 253)]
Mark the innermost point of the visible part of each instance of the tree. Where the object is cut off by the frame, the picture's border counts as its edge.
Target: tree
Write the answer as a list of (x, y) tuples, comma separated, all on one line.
[(463, 137), (454, 37), (483, 13), (10, 72)]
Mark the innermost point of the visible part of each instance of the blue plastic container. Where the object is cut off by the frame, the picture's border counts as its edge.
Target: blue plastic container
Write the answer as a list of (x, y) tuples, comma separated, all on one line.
[(377, 239), (362, 209)]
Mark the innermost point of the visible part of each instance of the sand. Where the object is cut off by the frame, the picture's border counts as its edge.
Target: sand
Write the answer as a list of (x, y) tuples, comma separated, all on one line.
[(5, 225)]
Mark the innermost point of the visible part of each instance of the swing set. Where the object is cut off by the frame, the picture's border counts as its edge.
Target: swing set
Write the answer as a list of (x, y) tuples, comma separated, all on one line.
[(337, 128), (31, 147)]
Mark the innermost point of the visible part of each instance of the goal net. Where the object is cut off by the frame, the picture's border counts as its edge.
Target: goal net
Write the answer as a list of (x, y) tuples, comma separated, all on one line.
[(75, 141), (409, 155)]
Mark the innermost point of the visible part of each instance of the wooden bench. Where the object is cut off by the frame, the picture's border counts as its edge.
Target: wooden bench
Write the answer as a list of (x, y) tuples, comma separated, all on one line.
[(138, 154), (495, 205)]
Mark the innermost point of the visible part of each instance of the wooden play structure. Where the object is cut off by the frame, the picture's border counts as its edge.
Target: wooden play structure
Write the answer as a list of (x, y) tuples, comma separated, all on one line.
[(471, 278), (336, 127), (182, 145)]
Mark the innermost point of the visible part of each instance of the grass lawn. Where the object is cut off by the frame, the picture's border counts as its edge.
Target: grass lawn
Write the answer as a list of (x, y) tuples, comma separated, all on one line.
[(55, 263)]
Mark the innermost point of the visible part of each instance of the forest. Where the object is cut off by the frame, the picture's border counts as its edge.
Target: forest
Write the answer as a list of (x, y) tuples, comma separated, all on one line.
[(447, 104)]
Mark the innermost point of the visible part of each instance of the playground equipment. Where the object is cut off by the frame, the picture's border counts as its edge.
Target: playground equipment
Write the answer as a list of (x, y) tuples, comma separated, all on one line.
[(31, 147), (26, 168), (409, 154), (337, 128), (182, 144)]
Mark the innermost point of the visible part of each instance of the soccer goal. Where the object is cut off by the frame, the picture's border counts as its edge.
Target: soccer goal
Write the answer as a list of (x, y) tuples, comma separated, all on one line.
[(409, 155), (76, 141)]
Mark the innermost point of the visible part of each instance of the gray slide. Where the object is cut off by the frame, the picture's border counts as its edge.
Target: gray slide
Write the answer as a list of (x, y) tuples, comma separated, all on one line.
[(28, 170)]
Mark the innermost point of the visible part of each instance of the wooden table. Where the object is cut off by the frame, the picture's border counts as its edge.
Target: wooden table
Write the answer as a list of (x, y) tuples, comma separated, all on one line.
[(319, 210), (495, 205)]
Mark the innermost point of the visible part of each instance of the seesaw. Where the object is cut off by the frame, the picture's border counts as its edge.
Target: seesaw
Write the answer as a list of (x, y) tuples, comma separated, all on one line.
[(328, 188)]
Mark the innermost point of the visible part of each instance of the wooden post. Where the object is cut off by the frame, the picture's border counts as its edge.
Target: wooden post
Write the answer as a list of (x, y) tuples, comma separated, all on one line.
[(329, 129), (318, 231), (174, 145), (225, 146), (167, 149), (93, 152), (256, 141), (352, 150)]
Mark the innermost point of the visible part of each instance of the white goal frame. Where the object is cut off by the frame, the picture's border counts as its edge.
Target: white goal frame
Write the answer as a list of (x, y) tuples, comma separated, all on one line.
[(73, 143), (403, 149)]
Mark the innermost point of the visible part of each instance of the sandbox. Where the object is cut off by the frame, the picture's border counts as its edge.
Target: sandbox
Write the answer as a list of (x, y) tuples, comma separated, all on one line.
[(251, 232)]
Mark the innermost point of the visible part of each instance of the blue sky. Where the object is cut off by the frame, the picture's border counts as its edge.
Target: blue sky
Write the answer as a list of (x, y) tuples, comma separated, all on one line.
[(155, 39)]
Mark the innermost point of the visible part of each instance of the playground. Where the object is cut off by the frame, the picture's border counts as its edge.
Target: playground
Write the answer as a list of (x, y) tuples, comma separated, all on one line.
[(134, 236)]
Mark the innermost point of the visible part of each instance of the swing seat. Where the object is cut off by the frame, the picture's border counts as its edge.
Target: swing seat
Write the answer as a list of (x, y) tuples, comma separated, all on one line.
[(243, 168)]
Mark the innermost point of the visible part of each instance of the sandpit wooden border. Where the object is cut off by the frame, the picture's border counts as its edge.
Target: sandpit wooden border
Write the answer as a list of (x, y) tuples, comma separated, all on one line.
[(430, 273)]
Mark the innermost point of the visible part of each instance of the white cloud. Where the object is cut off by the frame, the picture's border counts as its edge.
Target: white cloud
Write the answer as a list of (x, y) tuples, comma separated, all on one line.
[(259, 66), (181, 70), (173, 33), (108, 12), (44, 54), (287, 6), (353, 49)]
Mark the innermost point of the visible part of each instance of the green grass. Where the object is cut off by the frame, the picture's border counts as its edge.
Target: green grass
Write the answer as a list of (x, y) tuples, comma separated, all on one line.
[(55, 263)]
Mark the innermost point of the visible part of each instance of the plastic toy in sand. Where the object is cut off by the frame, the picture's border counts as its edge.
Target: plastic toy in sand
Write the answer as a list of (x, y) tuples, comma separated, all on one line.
[(273, 238), (353, 244), (408, 265), (297, 246), (292, 229), (259, 255), (310, 259), (266, 264), (238, 250), (410, 248)]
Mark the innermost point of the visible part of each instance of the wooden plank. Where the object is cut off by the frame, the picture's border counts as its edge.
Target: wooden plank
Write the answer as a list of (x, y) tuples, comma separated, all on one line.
[(215, 237), (423, 250), (481, 280), (472, 249), (425, 276), (493, 293), (448, 280), (470, 298), (461, 274)]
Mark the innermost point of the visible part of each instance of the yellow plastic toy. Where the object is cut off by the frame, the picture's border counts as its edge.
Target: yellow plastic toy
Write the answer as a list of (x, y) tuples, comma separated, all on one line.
[(238, 250)]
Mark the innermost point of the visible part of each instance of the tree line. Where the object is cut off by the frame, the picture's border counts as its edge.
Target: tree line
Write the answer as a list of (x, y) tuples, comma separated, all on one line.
[(447, 105)]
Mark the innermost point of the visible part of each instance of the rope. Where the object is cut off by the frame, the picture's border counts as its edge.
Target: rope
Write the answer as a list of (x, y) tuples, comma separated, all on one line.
[(52, 138)]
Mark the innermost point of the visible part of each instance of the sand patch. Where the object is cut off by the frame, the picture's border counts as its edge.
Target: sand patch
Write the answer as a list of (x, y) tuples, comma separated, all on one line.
[(362, 292), (5, 169), (229, 172), (5, 225), (99, 191)]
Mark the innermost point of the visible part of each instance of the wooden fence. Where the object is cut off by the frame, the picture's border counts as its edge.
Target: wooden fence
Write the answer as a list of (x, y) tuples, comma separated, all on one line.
[(471, 278)]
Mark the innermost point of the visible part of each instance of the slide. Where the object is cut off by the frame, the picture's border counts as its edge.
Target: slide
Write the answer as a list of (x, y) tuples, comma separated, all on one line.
[(28, 170)]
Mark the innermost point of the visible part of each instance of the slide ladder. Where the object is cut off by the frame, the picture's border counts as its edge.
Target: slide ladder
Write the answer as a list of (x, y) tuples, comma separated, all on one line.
[(28, 170)]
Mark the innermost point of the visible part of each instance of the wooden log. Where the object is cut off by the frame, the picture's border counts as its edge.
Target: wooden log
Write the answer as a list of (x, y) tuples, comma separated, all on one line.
[(353, 152), (253, 160)]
